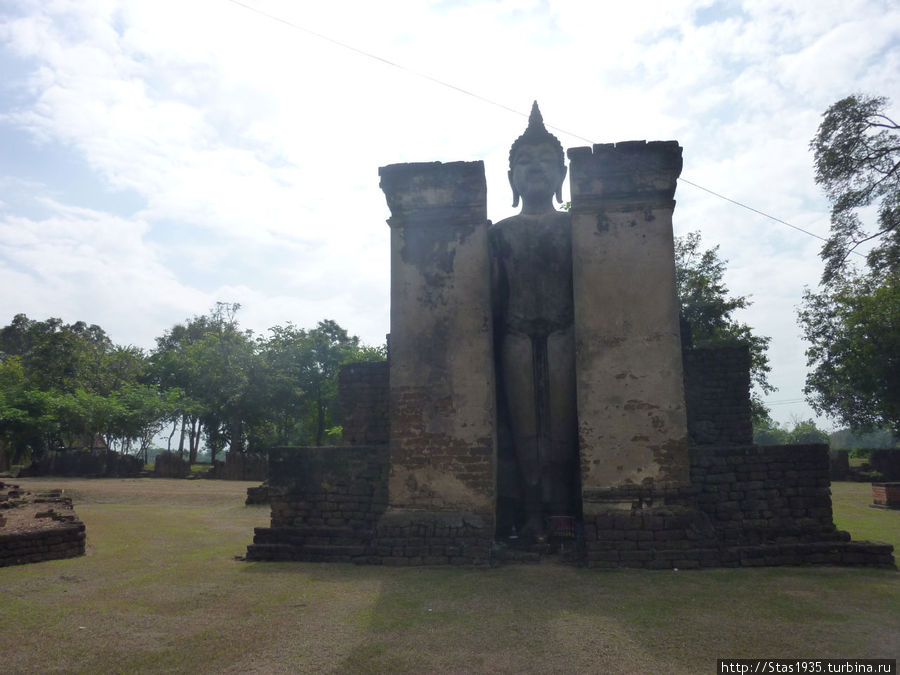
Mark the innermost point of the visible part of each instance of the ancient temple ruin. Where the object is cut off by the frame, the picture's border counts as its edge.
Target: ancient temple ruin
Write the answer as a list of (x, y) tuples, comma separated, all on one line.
[(537, 399)]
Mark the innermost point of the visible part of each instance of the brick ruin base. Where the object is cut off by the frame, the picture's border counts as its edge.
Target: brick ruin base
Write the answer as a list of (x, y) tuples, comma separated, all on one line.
[(747, 506), (66, 541), (886, 495), (57, 532)]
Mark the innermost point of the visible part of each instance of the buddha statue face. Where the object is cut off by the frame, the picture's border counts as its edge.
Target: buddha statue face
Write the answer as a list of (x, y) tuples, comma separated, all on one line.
[(536, 166), (536, 173)]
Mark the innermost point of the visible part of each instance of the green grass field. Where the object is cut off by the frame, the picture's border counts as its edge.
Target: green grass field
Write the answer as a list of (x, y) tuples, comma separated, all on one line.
[(160, 590)]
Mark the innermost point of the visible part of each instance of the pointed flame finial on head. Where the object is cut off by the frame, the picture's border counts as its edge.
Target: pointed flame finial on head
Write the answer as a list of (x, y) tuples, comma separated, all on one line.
[(535, 119), (536, 132)]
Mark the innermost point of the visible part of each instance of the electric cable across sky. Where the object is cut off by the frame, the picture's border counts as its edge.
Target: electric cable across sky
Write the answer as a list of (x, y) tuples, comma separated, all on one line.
[(497, 104)]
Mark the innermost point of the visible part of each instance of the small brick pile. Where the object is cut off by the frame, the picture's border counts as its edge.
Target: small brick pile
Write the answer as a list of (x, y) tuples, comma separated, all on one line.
[(36, 527)]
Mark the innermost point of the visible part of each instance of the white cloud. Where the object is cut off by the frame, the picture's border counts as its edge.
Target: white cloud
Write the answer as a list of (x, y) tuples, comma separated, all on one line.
[(82, 264)]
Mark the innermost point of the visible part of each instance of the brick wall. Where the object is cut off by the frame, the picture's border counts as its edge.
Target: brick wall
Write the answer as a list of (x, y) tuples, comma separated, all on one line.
[(754, 494), (84, 463), (54, 530), (717, 396), (171, 465), (751, 506), (325, 504), (66, 541), (241, 466), (363, 391), (886, 461), (330, 505)]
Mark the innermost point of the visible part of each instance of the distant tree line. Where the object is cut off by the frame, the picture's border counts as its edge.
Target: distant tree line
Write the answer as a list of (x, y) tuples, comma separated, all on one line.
[(768, 432), (207, 382)]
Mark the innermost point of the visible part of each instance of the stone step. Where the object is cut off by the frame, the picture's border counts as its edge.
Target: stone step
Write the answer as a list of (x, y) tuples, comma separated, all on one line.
[(317, 531), (313, 553), (311, 535), (270, 552), (342, 550)]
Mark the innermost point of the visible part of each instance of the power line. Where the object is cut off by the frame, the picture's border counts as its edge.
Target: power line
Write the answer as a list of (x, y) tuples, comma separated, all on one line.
[(789, 402), (762, 213), (375, 57), (484, 99)]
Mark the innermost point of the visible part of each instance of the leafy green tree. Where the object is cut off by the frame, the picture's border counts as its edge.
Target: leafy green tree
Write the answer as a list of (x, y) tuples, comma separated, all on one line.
[(768, 432), (194, 364), (226, 369), (707, 312), (284, 355), (857, 162), (66, 386), (806, 431), (853, 329), (56, 356), (329, 346), (173, 371), (302, 373), (28, 420), (853, 323)]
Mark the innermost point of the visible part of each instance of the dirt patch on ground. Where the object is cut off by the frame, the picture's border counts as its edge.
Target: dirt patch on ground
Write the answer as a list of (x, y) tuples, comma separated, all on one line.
[(26, 511)]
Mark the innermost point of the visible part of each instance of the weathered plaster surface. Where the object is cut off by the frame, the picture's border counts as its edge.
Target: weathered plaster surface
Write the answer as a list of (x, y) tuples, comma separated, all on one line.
[(442, 427), (632, 424)]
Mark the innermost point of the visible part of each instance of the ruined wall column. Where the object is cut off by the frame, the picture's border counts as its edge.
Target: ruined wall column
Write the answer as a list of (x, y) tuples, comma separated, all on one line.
[(631, 411), (442, 412)]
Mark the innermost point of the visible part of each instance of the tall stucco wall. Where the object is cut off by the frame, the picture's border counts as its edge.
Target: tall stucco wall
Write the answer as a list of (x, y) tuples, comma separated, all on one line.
[(631, 411), (441, 400)]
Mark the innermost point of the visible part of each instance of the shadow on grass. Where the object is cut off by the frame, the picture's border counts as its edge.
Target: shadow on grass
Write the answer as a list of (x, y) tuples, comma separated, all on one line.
[(552, 617)]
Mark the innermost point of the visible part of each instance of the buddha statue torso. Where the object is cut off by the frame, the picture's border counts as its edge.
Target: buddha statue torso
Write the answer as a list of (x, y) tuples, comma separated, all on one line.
[(533, 275)]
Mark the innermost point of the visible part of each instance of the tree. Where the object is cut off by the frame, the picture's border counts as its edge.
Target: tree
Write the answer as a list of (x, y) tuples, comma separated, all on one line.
[(857, 162), (769, 432), (211, 369), (329, 346), (853, 329), (303, 367), (806, 431), (56, 356), (66, 386), (173, 370), (707, 309), (853, 323)]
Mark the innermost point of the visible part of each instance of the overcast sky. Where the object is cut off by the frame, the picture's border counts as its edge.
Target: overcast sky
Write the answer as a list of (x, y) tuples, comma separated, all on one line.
[(158, 156)]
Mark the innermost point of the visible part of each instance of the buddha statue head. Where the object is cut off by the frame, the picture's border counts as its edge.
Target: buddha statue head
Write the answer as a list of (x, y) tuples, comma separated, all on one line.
[(536, 166)]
